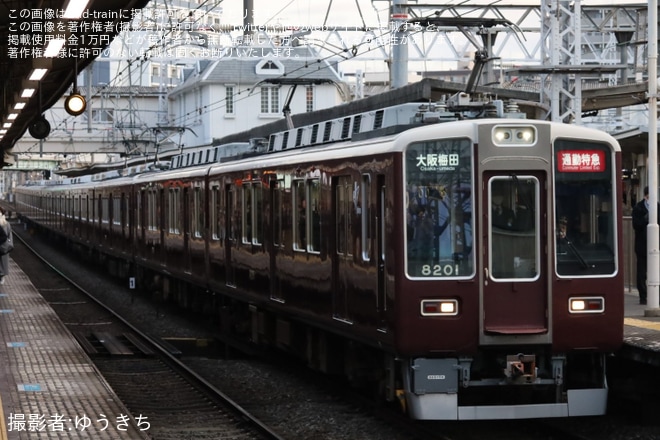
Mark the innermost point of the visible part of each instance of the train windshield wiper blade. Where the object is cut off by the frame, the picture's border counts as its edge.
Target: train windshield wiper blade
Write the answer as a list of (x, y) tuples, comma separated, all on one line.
[(577, 253)]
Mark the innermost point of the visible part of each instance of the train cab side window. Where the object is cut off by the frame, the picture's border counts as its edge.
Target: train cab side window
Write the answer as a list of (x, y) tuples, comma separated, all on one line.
[(584, 216)]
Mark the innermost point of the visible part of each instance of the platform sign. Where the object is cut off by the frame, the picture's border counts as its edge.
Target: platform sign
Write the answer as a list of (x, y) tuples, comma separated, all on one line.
[(29, 387), (131, 283)]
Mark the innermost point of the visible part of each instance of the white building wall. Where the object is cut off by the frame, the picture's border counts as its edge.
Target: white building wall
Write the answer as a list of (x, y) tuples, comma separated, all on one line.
[(215, 122)]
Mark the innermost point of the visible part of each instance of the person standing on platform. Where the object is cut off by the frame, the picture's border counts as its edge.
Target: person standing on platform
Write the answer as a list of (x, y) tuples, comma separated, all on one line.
[(6, 245), (640, 220)]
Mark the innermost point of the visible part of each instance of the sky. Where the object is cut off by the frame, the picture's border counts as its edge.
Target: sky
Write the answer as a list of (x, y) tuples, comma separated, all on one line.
[(346, 12), (308, 12)]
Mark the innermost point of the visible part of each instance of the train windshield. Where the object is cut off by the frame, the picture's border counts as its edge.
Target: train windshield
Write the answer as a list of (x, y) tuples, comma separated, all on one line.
[(439, 209), (584, 209)]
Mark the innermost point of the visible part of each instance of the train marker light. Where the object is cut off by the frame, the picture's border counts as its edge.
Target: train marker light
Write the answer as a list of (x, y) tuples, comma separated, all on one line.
[(514, 135), (439, 307), (585, 304)]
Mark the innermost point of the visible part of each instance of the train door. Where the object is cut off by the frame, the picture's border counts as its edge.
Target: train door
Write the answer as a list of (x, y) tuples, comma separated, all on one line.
[(343, 255), (162, 225), (231, 234), (276, 237), (515, 296), (381, 249), (187, 227)]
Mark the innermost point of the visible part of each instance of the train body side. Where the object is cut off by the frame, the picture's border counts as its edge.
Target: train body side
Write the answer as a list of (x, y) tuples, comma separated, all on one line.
[(393, 244)]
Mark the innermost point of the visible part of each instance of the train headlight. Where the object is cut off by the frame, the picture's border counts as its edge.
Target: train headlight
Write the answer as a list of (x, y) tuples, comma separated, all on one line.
[(586, 304), (439, 307), (514, 135)]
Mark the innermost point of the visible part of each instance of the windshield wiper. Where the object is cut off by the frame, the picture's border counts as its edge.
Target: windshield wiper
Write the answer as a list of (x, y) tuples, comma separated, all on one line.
[(577, 253)]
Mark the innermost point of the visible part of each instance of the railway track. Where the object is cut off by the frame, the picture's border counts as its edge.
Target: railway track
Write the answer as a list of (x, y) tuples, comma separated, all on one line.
[(145, 373), (295, 403)]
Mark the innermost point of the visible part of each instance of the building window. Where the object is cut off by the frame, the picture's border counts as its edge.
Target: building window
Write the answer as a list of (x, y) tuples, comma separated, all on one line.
[(270, 100), (103, 115), (229, 100), (309, 99)]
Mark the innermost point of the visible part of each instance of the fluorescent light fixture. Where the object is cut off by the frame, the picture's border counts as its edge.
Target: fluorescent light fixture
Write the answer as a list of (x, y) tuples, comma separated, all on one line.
[(27, 93), (74, 9), (54, 46), (12, 116), (6, 125), (3, 131), (37, 74), (19, 106)]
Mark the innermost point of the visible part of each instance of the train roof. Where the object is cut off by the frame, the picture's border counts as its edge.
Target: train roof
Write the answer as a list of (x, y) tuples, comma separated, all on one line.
[(372, 132)]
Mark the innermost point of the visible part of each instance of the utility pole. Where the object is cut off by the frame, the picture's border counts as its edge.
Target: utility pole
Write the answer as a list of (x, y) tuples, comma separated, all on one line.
[(399, 45), (652, 233)]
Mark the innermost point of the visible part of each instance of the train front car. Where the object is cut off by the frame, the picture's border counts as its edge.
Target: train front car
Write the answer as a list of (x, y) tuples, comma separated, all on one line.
[(511, 295)]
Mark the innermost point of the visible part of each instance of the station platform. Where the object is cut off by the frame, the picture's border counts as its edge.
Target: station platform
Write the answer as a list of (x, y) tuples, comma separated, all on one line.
[(641, 334), (49, 388)]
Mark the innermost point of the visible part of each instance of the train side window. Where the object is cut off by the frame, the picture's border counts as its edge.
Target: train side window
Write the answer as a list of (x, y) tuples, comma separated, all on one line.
[(105, 210), (116, 211), (364, 213), (299, 215), (197, 213), (344, 215), (83, 208), (257, 214), (314, 215), (213, 212), (173, 211), (278, 204), (152, 211), (252, 218), (233, 219)]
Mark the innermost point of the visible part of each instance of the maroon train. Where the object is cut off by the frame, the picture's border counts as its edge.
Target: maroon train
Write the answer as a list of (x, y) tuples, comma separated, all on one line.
[(470, 269)]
